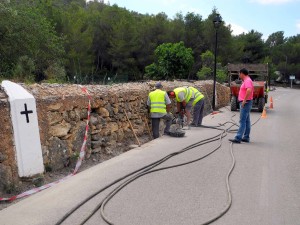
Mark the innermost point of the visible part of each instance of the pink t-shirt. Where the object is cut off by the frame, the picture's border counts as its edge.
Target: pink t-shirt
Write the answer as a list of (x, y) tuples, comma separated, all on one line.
[(247, 83)]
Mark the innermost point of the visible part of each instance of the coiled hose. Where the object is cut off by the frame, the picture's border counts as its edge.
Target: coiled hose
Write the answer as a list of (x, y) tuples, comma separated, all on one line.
[(150, 169)]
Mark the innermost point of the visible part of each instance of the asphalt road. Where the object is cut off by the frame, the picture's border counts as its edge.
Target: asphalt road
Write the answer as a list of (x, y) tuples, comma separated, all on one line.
[(265, 183)]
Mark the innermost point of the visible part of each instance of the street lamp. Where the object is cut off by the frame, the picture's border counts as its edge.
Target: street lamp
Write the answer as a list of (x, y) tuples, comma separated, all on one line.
[(217, 22)]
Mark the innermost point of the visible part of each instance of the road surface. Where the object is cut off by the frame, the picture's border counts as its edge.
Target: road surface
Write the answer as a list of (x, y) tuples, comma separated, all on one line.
[(265, 183)]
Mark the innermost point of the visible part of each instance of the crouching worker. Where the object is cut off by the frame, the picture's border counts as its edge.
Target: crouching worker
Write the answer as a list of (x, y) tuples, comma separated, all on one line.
[(160, 105)]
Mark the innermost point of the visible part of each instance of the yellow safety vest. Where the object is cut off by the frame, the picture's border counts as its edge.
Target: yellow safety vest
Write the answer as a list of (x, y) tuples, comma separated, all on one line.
[(157, 100), (197, 95), (187, 94)]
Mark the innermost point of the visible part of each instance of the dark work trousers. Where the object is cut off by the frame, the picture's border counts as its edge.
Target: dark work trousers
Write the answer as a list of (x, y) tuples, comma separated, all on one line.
[(198, 112), (155, 125)]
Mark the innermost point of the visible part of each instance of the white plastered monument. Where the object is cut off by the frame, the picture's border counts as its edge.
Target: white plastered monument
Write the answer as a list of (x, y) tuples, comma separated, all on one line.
[(26, 130)]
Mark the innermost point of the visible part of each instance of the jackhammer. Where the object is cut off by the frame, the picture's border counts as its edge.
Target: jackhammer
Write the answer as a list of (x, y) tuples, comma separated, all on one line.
[(178, 121)]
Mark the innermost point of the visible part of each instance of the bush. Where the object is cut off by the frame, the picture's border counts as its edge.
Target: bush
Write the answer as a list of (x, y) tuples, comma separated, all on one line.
[(55, 73), (221, 76), (24, 69), (204, 73)]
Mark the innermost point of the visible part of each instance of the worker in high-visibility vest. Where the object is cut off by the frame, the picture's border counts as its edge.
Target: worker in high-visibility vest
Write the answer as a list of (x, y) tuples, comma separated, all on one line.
[(159, 104), (188, 97), (198, 107), (184, 100)]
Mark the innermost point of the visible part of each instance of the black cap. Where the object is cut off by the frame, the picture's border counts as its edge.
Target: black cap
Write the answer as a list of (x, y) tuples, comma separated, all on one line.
[(158, 85)]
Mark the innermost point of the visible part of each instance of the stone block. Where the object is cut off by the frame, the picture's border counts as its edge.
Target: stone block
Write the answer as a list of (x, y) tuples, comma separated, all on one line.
[(58, 153), (96, 137), (114, 127), (55, 107), (78, 137), (54, 117), (103, 112), (3, 157), (60, 130), (5, 176), (96, 144)]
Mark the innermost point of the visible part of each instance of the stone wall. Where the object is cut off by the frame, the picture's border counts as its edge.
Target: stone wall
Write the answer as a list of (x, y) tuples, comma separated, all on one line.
[(8, 167), (62, 114)]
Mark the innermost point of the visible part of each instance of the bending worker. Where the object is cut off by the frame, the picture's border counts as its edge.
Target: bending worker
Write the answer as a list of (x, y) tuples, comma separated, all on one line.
[(198, 107), (160, 105), (183, 96), (188, 97)]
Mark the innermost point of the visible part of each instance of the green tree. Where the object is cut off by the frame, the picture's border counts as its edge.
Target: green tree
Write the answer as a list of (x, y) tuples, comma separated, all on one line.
[(207, 59), (153, 30), (194, 37), (275, 39), (123, 43), (204, 73), (252, 47), (25, 33), (207, 70), (24, 68), (91, 40), (78, 42), (177, 28), (221, 75), (172, 61)]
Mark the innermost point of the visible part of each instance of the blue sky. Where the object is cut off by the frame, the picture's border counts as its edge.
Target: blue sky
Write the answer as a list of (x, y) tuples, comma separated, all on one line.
[(264, 16)]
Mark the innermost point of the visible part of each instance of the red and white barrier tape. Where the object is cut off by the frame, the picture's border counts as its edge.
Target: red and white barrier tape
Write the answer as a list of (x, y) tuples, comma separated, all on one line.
[(78, 164)]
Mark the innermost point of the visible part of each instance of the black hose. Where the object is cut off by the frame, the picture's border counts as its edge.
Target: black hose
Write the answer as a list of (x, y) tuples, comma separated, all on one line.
[(147, 169), (205, 141), (228, 191), (102, 204), (122, 178)]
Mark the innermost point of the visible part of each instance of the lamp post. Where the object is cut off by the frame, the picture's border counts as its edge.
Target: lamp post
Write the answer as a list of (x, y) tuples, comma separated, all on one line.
[(217, 22)]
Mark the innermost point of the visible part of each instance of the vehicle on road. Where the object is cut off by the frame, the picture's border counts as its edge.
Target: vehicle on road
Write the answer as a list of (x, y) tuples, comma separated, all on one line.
[(260, 76)]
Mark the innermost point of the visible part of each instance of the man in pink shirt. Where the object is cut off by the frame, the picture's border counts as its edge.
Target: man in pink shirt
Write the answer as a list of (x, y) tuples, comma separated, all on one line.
[(245, 98)]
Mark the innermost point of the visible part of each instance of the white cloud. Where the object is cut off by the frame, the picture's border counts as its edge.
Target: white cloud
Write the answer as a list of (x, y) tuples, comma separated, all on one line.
[(269, 2), (237, 29)]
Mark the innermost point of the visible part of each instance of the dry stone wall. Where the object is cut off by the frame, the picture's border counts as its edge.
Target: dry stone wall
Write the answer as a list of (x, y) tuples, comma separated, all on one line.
[(62, 114), (8, 168)]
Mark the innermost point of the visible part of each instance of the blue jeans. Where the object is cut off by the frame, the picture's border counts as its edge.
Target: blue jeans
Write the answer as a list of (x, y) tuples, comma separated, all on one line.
[(245, 124), (198, 112)]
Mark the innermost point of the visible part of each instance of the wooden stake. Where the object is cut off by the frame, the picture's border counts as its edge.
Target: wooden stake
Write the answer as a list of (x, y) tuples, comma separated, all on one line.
[(132, 129), (146, 122)]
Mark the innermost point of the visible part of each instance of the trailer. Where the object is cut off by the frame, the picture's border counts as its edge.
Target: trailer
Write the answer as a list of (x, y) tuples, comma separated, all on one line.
[(259, 74)]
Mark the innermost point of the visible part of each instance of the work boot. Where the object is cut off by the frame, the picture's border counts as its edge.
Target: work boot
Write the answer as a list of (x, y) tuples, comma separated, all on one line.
[(167, 133), (235, 141)]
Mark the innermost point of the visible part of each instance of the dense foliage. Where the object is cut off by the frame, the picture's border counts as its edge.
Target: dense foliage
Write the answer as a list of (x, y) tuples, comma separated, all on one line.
[(75, 41), (173, 61)]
